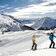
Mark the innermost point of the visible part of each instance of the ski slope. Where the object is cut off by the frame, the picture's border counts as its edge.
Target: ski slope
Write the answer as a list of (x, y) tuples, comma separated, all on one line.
[(43, 50), (19, 44)]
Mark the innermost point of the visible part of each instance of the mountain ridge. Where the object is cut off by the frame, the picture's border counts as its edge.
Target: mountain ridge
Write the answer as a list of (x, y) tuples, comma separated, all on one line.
[(45, 23), (9, 22)]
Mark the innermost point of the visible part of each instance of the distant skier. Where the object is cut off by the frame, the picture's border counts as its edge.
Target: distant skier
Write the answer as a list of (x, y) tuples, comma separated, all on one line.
[(34, 45), (2, 32), (51, 38)]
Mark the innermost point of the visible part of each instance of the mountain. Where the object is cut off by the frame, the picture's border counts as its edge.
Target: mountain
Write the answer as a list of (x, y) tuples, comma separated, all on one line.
[(45, 23), (24, 23), (9, 23), (27, 27), (27, 22)]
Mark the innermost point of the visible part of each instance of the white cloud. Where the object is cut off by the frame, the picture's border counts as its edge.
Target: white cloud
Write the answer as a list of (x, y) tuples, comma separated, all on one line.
[(8, 7), (3, 6), (49, 0), (2, 10), (38, 8)]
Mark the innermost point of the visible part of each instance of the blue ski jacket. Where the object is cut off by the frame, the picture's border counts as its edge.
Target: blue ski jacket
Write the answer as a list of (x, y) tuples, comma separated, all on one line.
[(51, 37)]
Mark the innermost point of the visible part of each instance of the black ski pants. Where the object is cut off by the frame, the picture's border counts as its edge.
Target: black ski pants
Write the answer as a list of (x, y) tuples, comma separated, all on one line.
[(34, 46), (52, 43)]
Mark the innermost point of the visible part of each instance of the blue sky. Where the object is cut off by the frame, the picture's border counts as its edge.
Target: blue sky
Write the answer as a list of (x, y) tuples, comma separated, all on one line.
[(19, 3), (28, 8), (16, 3)]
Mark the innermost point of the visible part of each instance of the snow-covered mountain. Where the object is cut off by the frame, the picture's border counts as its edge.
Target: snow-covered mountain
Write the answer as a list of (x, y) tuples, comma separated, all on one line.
[(45, 23), (9, 23)]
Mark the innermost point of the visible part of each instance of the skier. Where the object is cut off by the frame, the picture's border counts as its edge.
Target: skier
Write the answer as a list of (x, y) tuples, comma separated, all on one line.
[(51, 38), (34, 45)]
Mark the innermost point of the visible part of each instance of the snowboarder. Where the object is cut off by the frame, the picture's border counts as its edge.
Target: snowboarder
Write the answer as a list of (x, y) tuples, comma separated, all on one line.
[(34, 45), (51, 38)]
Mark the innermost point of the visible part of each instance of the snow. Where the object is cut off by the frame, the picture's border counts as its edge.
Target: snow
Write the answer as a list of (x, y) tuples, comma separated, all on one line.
[(30, 24), (19, 44)]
